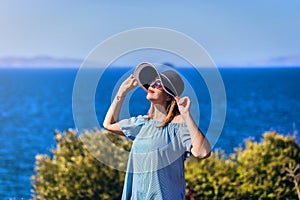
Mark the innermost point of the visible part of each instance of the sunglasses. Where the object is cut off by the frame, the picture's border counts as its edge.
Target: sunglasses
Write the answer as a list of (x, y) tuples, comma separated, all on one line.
[(156, 84)]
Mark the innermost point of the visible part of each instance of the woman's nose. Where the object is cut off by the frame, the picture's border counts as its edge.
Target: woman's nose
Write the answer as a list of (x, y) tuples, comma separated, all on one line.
[(152, 85)]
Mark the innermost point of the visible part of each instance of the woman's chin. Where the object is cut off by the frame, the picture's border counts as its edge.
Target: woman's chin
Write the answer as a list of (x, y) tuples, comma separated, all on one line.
[(151, 98), (148, 97)]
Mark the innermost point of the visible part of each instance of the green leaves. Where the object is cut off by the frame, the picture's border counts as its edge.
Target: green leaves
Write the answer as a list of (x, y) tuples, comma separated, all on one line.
[(212, 178), (260, 171), (74, 173), (266, 170)]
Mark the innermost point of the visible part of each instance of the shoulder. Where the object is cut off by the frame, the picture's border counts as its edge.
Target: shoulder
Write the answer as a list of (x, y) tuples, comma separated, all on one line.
[(133, 121), (178, 120)]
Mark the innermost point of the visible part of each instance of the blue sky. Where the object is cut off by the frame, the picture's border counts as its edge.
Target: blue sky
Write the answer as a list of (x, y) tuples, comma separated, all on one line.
[(238, 33)]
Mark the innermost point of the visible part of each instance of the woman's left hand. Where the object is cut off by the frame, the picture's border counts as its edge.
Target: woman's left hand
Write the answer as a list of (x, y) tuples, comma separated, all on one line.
[(184, 105)]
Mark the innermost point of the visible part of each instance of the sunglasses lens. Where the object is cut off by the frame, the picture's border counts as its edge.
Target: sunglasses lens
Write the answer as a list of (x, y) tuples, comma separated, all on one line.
[(156, 84)]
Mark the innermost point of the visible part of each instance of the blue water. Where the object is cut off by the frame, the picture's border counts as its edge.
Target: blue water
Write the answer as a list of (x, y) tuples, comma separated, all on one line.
[(35, 102)]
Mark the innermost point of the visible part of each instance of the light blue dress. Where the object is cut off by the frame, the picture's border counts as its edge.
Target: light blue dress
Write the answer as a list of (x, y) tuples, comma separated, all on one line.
[(155, 167)]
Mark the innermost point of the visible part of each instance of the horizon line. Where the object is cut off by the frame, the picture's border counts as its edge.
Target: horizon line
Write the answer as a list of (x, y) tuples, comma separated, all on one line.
[(128, 66), (44, 61)]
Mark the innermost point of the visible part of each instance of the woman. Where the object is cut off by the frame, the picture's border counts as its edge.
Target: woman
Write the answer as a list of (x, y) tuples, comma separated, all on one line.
[(161, 140)]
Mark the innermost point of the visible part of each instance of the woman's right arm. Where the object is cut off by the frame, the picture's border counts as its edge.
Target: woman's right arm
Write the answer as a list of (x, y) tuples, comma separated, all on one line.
[(112, 115)]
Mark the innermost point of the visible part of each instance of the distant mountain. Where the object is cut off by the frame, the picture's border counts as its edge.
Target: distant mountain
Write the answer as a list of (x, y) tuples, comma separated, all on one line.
[(39, 61), (285, 60), (281, 61), (52, 62)]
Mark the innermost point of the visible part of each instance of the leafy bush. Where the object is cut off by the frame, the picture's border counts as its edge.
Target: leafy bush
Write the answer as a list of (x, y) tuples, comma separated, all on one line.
[(260, 171), (261, 167), (212, 178), (266, 170), (74, 173)]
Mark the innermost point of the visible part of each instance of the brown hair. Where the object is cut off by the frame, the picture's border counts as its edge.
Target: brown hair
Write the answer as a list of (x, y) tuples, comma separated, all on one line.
[(172, 111)]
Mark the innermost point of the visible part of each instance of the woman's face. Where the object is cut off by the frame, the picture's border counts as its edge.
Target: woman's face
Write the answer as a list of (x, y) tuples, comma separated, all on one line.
[(156, 93)]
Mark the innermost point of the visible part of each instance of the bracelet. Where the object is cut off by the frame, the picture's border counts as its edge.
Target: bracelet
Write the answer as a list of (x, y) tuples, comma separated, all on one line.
[(119, 97)]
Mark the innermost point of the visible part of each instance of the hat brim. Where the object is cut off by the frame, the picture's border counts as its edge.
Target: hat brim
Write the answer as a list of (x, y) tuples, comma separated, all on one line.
[(145, 73)]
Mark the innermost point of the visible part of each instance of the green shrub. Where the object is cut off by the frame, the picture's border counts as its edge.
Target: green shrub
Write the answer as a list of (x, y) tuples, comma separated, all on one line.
[(260, 171), (261, 167), (74, 173), (266, 170), (212, 178)]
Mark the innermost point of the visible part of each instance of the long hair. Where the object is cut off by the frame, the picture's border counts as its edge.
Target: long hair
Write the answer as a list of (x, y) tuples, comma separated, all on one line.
[(172, 110)]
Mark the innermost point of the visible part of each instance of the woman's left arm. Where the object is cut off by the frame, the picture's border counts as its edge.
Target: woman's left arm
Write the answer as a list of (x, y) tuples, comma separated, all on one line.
[(200, 145)]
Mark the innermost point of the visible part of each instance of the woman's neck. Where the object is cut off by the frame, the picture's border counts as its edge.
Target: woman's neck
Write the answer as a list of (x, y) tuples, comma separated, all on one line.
[(159, 113)]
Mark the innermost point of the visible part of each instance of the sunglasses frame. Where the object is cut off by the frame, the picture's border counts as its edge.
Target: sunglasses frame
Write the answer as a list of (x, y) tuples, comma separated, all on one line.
[(156, 84)]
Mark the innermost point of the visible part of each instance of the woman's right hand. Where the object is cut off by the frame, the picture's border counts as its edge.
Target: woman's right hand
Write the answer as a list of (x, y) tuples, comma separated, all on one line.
[(112, 115), (128, 85)]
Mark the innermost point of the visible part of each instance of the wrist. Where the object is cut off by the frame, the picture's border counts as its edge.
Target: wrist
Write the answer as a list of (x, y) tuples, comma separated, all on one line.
[(120, 95), (186, 116)]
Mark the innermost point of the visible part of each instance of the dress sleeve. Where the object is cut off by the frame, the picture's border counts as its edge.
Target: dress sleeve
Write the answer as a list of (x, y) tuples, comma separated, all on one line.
[(186, 140), (132, 126)]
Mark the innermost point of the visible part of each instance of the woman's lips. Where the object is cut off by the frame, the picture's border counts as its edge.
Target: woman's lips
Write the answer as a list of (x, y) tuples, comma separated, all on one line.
[(150, 91)]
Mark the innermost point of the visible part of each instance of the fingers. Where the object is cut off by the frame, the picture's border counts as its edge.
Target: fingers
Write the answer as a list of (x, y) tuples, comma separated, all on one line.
[(184, 101), (178, 100), (188, 104), (131, 77), (133, 82)]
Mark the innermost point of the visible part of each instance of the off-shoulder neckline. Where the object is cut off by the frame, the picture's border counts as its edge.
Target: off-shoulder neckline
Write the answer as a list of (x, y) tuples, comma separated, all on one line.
[(159, 122)]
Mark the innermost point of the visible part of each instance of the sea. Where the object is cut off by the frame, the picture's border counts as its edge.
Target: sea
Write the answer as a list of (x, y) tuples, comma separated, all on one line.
[(34, 102)]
